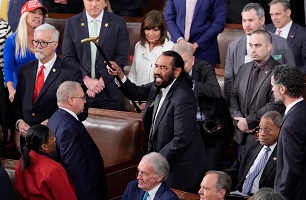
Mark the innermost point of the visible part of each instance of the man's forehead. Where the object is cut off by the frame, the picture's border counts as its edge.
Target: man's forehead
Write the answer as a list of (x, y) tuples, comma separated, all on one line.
[(164, 60)]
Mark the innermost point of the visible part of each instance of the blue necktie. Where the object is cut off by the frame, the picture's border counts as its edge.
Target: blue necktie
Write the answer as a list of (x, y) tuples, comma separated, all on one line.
[(145, 197), (247, 185)]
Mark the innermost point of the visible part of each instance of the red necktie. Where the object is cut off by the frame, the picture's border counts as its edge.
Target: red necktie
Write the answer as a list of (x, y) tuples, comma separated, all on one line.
[(279, 32), (39, 82)]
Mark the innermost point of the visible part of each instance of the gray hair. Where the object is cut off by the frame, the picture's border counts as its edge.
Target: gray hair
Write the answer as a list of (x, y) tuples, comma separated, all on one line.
[(285, 3), (181, 48), (224, 181), (160, 164), (267, 194), (275, 116), (48, 27), (66, 89), (260, 12)]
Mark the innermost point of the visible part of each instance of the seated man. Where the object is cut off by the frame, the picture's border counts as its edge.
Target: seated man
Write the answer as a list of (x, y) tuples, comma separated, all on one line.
[(256, 168), (216, 185), (153, 170)]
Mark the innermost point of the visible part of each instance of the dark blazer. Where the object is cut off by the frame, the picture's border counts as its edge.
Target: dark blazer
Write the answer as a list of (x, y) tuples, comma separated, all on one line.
[(79, 155), (262, 99), (174, 134), (291, 154), (6, 187), (242, 165), (46, 102), (213, 105), (297, 41), (114, 41), (236, 52), (208, 21), (132, 191)]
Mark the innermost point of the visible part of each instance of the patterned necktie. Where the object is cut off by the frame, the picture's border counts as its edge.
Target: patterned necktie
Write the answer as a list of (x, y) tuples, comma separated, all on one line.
[(93, 48), (189, 16), (145, 197), (248, 183), (40, 79), (279, 32)]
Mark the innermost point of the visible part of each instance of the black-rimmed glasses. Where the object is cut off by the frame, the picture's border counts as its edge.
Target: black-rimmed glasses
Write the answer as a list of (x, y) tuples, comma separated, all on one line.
[(43, 44)]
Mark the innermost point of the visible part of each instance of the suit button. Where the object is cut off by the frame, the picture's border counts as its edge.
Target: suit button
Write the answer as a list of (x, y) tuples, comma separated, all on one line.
[(33, 114)]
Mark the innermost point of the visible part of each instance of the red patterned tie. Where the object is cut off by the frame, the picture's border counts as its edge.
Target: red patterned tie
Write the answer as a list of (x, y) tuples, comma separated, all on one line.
[(39, 82), (279, 32)]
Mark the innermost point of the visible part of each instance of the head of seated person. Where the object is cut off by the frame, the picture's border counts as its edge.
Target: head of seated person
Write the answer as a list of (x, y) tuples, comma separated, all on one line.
[(216, 185), (267, 194)]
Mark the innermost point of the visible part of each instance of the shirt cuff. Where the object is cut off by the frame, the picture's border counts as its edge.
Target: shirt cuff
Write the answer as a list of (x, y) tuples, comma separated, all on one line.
[(123, 81), (16, 124)]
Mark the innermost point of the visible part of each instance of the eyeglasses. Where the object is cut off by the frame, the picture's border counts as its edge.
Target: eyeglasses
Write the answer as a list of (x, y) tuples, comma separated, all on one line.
[(43, 44), (82, 97), (266, 130)]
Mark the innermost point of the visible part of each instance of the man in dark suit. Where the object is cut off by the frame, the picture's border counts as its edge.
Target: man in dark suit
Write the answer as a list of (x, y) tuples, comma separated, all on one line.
[(170, 118), (283, 26), (238, 51), (153, 170), (130, 8), (251, 95), (32, 110), (64, 6), (211, 106), (288, 87), (207, 21), (269, 127), (75, 149), (114, 41)]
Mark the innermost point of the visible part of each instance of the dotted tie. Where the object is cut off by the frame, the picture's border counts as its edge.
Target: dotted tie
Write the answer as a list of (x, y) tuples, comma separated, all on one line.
[(145, 197), (40, 79), (248, 183)]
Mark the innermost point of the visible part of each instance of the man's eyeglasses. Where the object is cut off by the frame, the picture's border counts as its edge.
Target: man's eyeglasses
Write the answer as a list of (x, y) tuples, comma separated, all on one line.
[(43, 44), (82, 97), (266, 130)]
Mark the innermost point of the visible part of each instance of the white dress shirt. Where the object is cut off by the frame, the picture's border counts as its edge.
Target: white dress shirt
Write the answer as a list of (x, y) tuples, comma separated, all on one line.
[(285, 30)]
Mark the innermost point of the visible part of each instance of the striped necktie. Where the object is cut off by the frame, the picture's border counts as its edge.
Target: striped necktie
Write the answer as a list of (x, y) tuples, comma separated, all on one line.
[(145, 197)]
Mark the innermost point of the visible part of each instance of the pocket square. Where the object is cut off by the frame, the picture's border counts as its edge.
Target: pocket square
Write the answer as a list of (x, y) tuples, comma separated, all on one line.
[(277, 57)]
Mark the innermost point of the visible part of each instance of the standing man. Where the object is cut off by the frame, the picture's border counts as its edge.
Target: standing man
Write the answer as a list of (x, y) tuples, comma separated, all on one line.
[(238, 51), (170, 119), (114, 41), (251, 96), (75, 149), (248, 173), (38, 81), (197, 23), (153, 170), (288, 87), (64, 6), (283, 26), (216, 185), (211, 106)]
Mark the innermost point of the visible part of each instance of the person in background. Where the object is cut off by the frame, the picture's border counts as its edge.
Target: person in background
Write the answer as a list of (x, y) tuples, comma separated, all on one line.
[(6, 187), (18, 48), (267, 194), (288, 86), (113, 35), (283, 26), (153, 170), (211, 107), (37, 175), (6, 120), (76, 150), (197, 23), (246, 163), (64, 6), (153, 42), (129, 8), (216, 185)]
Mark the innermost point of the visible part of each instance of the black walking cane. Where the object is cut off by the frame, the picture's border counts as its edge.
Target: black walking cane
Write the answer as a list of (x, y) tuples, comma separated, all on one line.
[(95, 41)]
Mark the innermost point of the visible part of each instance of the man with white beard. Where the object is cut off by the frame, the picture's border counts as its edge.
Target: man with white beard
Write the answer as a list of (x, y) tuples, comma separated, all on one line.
[(35, 98)]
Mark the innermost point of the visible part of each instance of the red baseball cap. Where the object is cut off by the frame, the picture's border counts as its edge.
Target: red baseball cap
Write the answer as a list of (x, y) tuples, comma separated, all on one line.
[(32, 5)]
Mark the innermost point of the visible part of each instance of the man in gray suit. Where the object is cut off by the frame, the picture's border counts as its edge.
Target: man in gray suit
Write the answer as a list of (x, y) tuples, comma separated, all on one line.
[(238, 53), (251, 95)]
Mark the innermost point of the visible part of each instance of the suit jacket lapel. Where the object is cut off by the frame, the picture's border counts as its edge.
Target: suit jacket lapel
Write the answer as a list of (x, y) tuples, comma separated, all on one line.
[(105, 26), (197, 8), (160, 191), (241, 50), (252, 158), (269, 166), (84, 33), (291, 33), (244, 84), (32, 79)]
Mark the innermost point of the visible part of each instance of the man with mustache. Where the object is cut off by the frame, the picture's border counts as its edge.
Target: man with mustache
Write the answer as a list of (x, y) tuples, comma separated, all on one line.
[(170, 119), (35, 98)]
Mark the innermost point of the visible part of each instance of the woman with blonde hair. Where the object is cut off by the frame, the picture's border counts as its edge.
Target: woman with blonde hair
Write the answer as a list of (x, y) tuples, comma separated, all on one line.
[(18, 48)]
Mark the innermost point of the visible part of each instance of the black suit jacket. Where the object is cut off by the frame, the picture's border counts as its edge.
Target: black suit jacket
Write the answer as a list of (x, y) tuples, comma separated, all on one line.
[(46, 102), (132, 191), (242, 165), (114, 41), (262, 99), (79, 155), (174, 134), (291, 154), (297, 41)]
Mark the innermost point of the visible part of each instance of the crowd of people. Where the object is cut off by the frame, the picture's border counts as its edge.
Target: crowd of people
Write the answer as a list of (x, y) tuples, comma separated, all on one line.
[(187, 121)]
